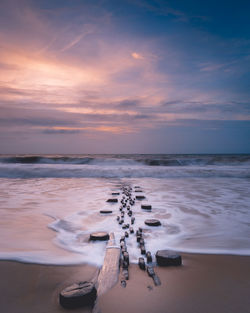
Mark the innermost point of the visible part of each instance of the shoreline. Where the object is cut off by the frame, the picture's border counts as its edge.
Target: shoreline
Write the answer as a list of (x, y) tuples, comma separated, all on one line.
[(204, 283)]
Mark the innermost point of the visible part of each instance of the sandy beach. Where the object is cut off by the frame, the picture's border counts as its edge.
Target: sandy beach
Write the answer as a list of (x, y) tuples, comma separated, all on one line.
[(205, 283)]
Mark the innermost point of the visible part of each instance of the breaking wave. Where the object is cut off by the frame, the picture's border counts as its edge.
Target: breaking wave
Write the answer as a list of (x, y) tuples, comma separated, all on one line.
[(135, 159)]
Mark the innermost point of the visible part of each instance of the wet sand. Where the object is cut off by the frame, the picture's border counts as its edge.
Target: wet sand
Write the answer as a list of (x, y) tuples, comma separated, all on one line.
[(205, 283)]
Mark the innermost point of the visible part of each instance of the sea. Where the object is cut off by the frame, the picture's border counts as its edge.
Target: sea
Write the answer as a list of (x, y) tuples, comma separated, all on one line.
[(50, 204)]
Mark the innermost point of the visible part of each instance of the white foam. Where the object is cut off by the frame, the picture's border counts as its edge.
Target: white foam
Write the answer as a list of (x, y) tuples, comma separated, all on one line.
[(197, 214)]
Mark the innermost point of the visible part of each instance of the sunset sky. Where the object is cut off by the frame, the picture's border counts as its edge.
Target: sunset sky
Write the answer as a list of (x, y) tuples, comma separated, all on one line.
[(124, 76)]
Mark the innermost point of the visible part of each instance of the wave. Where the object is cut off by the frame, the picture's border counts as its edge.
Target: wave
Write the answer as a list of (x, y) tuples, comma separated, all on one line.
[(135, 159), (95, 171), (37, 159)]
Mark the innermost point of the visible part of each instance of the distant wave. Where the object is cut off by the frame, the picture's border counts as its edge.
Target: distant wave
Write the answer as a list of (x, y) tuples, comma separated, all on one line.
[(100, 171), (136, 159), (37, 159)]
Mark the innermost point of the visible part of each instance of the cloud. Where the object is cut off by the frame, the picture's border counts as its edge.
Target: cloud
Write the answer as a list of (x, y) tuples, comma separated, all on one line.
[(137, 56), (52, 131)]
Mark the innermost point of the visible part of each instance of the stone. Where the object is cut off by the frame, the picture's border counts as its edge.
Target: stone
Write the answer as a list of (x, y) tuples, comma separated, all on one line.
[(141, 264), (149, 257)]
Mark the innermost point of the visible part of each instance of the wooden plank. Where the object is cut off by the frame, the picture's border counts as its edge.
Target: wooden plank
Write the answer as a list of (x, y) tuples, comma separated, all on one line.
[(109, 273)]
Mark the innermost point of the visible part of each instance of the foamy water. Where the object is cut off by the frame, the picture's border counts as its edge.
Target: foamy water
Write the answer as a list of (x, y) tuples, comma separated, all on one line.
[(47, 211)]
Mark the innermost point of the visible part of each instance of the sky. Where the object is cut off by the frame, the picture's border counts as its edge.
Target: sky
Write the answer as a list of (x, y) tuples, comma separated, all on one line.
[(124, 76)]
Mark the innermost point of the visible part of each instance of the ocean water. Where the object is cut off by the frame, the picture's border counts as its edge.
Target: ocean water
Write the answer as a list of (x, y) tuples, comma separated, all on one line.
[(49, 204)]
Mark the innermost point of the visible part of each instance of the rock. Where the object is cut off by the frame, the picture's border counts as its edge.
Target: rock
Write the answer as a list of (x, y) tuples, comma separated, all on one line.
[(123, 283), (150, 271), (125, 273), (125, 264), (77, 295), (168, 258), (132, 220), (143, 250), (141, 242), (99, 236), (118, 218), (112, 200), (106, 211), (152, 222), (131, 229), (126, 234), (141, 264), (126, 257), (146, 207), (124, 226), (139, 197), (157, 281), (149, 257), (138, 238), (122, 238), (124, 249), (138, 233)]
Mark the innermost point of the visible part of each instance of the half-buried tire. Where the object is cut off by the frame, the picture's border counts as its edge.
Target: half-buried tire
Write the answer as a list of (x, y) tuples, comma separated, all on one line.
[(168, 258), (77, 295), (146, 207), (152, 222), (99, 236)]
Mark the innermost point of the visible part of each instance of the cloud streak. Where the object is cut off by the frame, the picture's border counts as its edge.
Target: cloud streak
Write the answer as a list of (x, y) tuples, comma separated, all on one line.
[(82, 68)]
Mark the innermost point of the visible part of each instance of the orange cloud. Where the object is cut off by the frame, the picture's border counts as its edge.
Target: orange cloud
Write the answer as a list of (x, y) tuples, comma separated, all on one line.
[(137, 56)]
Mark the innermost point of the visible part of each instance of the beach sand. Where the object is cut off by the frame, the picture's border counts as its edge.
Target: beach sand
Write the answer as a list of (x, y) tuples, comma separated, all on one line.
[(205, 283)]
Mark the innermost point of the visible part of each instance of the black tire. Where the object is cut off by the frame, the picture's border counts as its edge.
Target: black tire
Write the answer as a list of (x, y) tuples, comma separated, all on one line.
[(77, 295), (146, 207), (168, 258), (152, 222), (99, 236)]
